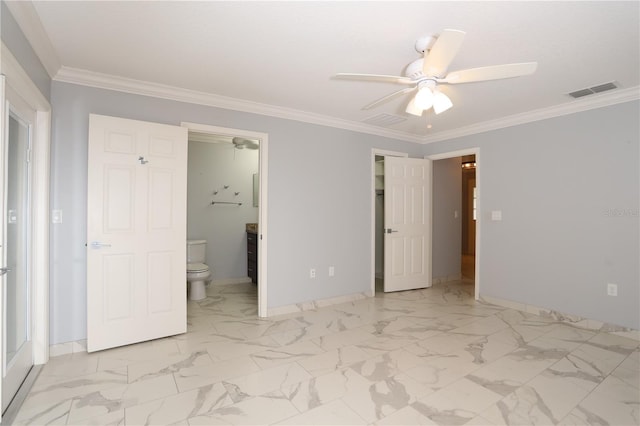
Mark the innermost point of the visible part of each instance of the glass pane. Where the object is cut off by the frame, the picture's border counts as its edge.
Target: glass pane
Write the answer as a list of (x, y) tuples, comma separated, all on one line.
[(16, 296)]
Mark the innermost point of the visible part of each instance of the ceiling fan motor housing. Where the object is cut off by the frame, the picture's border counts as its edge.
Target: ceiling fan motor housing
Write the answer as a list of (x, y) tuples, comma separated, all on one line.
[(424, 43), (414, 69)]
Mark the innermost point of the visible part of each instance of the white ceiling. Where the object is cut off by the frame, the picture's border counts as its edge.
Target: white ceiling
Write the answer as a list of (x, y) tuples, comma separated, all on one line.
[(284, 54)]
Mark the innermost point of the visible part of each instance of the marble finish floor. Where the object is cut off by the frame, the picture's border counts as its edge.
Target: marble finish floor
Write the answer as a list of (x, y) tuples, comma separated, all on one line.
[(423, 357)]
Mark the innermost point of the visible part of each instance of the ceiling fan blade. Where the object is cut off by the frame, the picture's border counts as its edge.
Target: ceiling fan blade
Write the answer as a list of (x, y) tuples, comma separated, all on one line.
[(389, 97), (438, 59), (494, 72), (375, 77)]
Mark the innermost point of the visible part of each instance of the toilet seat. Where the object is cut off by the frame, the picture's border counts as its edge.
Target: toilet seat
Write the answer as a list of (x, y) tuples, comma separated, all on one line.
[(196, 267)]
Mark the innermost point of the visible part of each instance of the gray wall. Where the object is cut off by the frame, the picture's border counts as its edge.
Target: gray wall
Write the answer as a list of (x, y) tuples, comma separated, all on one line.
[(319, 188), (569, 190), (19, 46), (211, 166), (447, 229)]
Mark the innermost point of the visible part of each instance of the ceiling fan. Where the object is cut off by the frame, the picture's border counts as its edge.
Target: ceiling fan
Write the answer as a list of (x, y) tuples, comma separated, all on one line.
[(242, 143), (425, 74)]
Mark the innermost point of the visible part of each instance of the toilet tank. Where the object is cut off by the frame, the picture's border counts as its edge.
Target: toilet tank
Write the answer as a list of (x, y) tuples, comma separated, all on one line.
[(196, 251)]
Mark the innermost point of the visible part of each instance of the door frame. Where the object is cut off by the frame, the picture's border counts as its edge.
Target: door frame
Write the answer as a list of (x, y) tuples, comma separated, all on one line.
[(372, 190), (262, 203), (459, 153), (18, 79)]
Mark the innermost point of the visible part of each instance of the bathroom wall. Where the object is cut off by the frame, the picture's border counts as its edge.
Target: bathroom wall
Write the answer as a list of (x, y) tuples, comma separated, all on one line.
[(211, 167)]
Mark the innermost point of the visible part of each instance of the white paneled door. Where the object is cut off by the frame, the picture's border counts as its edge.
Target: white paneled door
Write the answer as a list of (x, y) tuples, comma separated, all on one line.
[(136, 231), (407, 223)]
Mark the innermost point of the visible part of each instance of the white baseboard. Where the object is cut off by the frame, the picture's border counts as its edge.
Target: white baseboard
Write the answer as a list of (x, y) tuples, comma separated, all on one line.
[(226, 281), (67, 348), (573, 320), (446, 279), (315, 304)]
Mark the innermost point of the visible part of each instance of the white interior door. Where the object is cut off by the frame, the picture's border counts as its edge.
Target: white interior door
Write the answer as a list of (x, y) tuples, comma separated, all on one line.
[(136, 255), (17, 346), (407, 223)]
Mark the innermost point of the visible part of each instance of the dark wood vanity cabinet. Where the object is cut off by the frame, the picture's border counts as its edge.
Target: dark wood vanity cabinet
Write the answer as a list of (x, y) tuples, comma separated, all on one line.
[(252, 257)]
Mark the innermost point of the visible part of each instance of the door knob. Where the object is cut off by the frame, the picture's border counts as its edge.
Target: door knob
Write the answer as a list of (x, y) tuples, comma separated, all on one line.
[(389, 230), (4, 271)]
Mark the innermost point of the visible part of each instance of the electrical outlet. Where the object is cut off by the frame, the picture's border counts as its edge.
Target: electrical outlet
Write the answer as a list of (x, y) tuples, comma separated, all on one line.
[(312, 273), (612, 289), (332, 271)]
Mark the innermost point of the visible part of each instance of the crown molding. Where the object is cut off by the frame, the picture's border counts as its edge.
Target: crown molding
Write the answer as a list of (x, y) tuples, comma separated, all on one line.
[(583, 104), (17, 77), (27, 18), (145, 88), (29, 22), (156, 90)]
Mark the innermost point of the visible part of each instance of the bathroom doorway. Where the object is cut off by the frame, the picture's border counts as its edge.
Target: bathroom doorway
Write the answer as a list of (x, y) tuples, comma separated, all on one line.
[(226, 196)]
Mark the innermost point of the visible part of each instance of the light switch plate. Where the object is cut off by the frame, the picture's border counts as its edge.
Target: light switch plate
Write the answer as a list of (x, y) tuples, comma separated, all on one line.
[(56, 216), (496, 215)]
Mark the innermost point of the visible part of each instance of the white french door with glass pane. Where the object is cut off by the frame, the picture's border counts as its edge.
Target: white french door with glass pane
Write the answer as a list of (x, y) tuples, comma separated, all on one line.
[(17, 349)]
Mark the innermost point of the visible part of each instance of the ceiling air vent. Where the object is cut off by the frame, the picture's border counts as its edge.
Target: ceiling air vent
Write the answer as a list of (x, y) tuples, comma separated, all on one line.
[(384, 120), (593, 90)]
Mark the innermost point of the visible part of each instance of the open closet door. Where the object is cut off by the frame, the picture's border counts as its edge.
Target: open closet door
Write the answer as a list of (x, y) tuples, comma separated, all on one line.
[(136, 231), (407, 223)]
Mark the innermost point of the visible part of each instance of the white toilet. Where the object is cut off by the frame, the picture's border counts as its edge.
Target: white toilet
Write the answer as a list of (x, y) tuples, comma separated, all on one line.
[(197, 271)]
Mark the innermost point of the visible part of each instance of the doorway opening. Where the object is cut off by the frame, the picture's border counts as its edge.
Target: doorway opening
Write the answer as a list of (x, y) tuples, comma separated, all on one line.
[(378, 167), (377, 216), (468, 227), (227, 199), (469, 217)]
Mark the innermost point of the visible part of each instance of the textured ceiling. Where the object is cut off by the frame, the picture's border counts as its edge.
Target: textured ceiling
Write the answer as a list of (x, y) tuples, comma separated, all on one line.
[(285, 53)]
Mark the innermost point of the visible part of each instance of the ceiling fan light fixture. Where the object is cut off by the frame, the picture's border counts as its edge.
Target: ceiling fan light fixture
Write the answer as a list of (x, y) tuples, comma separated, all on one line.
[(424, 98), (413, 109), (441, 102)]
